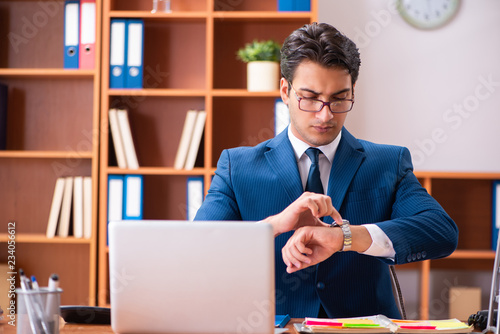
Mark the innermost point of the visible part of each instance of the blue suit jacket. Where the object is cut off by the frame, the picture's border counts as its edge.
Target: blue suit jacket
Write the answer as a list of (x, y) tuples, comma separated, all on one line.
[(369, 183)]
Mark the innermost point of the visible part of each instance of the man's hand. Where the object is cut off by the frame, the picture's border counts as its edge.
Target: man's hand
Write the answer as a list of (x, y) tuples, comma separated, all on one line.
[(311, 245), (304, 211)]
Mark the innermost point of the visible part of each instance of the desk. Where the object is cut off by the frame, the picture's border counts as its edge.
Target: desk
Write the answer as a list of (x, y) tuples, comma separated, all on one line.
[(106, 329)]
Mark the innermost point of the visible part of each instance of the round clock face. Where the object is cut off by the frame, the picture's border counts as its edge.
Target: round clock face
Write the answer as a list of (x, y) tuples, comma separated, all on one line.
[(428, 14)]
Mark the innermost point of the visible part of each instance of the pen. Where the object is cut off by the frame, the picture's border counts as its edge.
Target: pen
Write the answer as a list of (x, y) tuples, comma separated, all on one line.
[(27, 301), (38, 304), (51, 308)]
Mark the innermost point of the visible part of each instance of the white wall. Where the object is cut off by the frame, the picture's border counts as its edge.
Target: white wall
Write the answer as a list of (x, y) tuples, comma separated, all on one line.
[(413, 83)]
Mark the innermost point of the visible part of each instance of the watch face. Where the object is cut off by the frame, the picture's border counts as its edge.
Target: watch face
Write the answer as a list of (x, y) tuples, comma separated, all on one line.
[(428, 14)]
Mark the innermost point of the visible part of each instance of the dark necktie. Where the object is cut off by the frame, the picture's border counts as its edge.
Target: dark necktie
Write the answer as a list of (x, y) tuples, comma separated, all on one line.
[(314, 180)]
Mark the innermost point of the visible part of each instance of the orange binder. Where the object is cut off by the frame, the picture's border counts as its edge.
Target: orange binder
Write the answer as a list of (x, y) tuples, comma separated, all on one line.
[(87, 34)]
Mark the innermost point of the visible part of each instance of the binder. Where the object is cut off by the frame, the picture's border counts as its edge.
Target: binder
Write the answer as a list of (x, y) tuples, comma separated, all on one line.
[(115, 198), (87, 207), (133, 192), (117, 138), (78, 207), (134, 57), (63, 229), (71, 33), (496, 215), (117, 53), (194, 146), (302, 5), (286, 5), (281, 116), (55, 207), (194, 194), (185, 140), (128, 142), (87, 34)]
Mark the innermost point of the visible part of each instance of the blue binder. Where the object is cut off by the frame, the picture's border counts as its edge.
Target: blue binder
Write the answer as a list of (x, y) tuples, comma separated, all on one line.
[(132, 196), (281, 116), (71, 33), (286, 5), (117, 55), (303, 5), (495, 221), (134, 56), (195, 191), (115, 198)]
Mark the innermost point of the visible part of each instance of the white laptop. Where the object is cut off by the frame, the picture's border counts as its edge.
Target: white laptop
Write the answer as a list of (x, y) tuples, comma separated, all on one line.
[(191, 277)]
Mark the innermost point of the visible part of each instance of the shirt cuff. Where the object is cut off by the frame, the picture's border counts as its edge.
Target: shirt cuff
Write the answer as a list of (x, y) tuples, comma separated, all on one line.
[(381, 244)]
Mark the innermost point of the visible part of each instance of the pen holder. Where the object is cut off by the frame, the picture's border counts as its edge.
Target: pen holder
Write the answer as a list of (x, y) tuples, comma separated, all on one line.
[(38, 311)]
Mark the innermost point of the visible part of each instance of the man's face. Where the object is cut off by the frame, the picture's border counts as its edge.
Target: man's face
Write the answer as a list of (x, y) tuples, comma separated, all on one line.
[(311, 80)]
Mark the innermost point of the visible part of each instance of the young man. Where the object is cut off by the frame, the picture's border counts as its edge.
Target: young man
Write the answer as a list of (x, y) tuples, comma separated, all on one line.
[(320, 270)]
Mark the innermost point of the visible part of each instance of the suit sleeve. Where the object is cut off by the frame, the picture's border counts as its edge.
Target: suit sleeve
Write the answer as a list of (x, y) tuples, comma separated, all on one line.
[(419, 228), (220, 202)]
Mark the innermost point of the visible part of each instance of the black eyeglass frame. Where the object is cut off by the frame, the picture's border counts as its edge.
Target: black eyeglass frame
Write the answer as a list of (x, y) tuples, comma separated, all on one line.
[(324, 103)]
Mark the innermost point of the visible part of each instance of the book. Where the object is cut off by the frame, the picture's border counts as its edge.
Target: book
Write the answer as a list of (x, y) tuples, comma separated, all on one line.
[(132, 196), (117, 138), (4, 92), (87, 207), (194, 145), (194, 193), (280, 321), (495, 224), (115, 198), (63, 230), (78, 207), (128, 142), (281, 116), (184, 142), (381, 324), (55, 208)]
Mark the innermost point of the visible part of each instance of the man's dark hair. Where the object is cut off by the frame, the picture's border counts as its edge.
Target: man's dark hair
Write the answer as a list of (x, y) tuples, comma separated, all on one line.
[(320, 43)]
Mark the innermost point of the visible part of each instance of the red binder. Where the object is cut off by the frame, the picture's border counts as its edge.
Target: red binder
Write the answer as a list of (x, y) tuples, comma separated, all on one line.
[(87, 34)]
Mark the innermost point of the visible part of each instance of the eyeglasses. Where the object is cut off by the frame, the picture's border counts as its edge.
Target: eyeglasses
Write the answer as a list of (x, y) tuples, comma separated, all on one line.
[(337, 106)]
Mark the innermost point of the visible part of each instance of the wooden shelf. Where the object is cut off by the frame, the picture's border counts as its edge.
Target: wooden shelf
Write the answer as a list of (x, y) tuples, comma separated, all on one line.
[(157, 92), (46, 73), (457, 175), (42, 239), (261, 15), (157, 171), (243, 93), (473, 254), (46, 154), (160, 16), (53, 131)]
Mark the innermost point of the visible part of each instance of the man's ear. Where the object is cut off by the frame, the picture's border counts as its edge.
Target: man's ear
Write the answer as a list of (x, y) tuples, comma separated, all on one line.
[(284, 90)]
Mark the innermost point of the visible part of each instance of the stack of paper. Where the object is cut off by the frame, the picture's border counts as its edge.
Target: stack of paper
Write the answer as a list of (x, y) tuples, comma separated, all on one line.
[(381, 324)]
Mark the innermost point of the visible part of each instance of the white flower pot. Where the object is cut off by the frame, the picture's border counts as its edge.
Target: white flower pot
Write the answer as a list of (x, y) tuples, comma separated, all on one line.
[(263, 76)]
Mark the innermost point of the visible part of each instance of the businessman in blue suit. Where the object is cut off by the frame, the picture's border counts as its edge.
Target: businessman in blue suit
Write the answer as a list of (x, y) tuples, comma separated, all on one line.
[(327, 266)]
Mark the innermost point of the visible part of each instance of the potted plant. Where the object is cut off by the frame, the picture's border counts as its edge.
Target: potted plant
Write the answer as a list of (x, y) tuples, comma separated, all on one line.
[(262, 58)]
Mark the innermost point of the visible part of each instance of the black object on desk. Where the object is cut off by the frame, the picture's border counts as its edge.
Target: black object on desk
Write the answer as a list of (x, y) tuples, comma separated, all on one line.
[(86, 314)]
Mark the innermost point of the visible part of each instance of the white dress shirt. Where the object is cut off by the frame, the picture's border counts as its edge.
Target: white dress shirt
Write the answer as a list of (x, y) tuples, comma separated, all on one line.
[(381, 244)]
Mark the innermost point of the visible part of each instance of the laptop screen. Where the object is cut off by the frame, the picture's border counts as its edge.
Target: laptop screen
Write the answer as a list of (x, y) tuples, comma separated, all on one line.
[(191, 277)]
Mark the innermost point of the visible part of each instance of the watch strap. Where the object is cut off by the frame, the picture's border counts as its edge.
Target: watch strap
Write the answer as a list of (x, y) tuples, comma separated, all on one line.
[(346, 231)]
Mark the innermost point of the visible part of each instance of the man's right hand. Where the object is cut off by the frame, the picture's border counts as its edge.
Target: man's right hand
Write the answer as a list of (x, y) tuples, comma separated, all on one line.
[(304, 211)]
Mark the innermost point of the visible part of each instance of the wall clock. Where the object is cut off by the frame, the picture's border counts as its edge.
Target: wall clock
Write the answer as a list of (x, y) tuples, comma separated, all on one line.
[(428, 14)]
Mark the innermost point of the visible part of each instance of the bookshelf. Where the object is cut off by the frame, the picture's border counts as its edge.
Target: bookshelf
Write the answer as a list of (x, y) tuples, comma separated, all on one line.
[(207, 33), (52, 131)]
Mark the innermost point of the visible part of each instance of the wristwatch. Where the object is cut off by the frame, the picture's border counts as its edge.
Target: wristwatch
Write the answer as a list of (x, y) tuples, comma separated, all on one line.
[(346, 230)]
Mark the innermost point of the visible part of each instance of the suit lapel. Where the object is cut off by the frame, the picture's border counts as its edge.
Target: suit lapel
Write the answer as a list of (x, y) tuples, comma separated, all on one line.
[(281, 159), (348, 157)]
